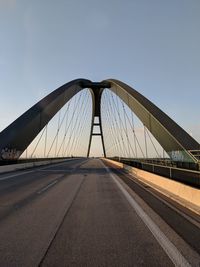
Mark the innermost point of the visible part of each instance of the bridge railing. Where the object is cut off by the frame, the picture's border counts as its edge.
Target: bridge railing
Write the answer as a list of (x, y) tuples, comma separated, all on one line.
[(187, 176)]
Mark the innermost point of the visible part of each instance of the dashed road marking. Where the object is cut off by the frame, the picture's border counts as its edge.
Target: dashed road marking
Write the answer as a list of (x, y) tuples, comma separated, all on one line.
[(47, 187)]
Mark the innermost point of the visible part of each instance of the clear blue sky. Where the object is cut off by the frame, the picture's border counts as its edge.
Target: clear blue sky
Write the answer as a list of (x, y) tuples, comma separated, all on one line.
[(152, 45)]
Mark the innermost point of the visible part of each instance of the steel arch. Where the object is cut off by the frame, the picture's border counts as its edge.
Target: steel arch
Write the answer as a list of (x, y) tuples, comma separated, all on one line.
[(175, 141), (18, 135)]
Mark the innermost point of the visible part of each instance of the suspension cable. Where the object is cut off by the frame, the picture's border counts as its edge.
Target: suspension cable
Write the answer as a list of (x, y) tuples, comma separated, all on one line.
[(123, 128), (66, 120), (56, 135), (136, 136), (45, 142), (82, 130), (110, 127), (126, 132), (73, 126), (37, 142), (145, 141), (152, 143), (115, 125), (58, 129), (78, 126), (132, 124)]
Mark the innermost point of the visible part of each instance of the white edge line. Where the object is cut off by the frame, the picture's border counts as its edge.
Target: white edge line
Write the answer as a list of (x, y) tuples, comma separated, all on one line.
[(14, 175), (176, 257)]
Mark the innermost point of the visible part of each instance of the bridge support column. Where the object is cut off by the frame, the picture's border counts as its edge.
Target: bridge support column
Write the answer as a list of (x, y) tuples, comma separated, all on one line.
[(96, 91), (96, 134)]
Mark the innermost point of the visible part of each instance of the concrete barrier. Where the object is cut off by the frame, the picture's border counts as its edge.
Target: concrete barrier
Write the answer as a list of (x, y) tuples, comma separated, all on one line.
[(22, 166), (185, 195)]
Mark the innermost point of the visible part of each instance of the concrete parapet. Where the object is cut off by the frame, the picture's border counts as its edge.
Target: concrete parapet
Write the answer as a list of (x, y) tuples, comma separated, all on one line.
[(184, 194), (21, 166)]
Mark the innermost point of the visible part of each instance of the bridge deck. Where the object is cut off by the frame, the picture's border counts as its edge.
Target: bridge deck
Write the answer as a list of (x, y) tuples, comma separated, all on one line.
[(78, 214)]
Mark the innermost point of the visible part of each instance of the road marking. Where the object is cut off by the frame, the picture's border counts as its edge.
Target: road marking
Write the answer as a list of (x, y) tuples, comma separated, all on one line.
[(148, 188), (53, 164), (14, 175), (176, 257), (47, 187), (57, 170), (36, 169)]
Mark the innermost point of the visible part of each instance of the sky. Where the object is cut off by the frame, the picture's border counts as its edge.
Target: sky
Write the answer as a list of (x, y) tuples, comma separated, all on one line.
[(152, 45)]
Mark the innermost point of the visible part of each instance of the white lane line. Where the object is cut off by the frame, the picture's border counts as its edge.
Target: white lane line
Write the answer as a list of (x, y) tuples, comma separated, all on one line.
[(57, 170), (176, 257), (14, 175), (47, 187), (51, 165), (37, 169)]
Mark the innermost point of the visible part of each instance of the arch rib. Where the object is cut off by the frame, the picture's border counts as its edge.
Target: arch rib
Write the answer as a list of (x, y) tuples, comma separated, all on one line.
[(175, 141), (19, 134)]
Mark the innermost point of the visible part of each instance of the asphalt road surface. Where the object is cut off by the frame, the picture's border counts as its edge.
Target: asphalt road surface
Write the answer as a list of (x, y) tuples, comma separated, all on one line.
[(82, 213)]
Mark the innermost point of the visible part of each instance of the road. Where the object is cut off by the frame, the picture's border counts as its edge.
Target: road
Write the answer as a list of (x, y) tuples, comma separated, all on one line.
[(83, 213)]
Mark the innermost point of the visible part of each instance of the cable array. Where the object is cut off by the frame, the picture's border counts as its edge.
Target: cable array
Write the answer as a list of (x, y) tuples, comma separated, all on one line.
[(67, 134), (124, 134)]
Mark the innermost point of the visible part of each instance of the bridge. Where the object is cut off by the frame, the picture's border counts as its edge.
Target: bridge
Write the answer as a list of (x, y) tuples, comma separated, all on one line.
[(95, 174)]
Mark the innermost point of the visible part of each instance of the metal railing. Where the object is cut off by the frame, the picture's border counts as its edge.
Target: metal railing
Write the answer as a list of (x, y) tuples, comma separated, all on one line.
[(167, 169)]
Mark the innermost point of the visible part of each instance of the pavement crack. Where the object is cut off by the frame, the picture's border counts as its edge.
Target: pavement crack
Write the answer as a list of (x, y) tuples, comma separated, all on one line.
[(61, 223)]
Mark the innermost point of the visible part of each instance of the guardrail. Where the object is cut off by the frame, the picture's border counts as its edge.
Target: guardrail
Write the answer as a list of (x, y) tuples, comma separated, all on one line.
[(185, 176), (185, 195)]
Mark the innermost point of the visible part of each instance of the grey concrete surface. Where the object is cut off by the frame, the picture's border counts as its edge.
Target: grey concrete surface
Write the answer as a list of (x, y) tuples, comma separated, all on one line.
[(101, 229), (72, 214)]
